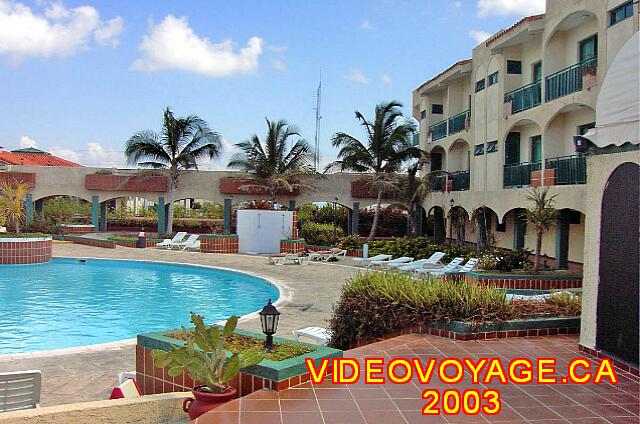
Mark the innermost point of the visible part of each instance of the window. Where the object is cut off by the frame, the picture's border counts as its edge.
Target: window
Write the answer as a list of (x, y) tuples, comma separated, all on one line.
[(492, 146), (514, 67), (480, 85), (423, 114), (621, 13), (492, 79), (588, 48), (437, 109), (478, 150), (536, 148), (582, 129), (536, 71)]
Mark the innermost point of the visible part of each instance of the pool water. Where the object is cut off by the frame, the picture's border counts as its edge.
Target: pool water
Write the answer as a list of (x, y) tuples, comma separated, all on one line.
[(67, 303)]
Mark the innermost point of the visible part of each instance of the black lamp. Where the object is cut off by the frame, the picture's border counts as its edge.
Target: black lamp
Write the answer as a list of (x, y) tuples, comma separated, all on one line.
[(269, 316)]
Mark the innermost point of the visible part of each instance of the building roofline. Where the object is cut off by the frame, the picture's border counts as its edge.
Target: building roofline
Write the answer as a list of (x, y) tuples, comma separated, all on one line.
[(459, 63), (504, 31)]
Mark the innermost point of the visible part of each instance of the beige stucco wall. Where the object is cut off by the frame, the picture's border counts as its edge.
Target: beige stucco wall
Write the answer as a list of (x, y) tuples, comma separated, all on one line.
[(558, 136), (151, 409), (600, 168)]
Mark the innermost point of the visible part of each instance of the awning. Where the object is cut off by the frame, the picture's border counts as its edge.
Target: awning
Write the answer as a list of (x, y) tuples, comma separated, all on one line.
[(618, 106)]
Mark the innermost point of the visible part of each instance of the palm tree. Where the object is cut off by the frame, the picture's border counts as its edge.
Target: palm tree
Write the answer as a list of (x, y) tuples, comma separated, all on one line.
[(12, 197), (387, 148), (177, 148), (410, 191), (272, 165), (458, 217), (542, 215)]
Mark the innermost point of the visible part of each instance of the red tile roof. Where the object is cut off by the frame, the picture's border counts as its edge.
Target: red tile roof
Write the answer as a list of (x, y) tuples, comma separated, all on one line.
[(34, 159), (459, 63), (502, 32)]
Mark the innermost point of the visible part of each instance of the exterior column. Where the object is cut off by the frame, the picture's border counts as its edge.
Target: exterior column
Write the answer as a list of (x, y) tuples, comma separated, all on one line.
[(227, 216), (28, 208), (519, 230), (355, 218), (160, 210), (95, 212), (482, 231), (438, 226), (419, 220), (103, 216), (292, 205), (562, 241)]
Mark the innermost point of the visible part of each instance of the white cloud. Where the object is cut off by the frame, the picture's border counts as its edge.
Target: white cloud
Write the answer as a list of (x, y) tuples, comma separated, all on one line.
[(279, 65), (357, 76), (26, 142), (56, 31), (367, 26), (109, 31), (386, 79), (277, 49), (510, 7), (479, 36), (67, 154), (456, 4), (173, 45)]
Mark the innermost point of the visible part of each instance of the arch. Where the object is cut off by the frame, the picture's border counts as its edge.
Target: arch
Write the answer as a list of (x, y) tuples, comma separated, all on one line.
[(519, 140), (459, 155), (50, 196), (438, 223), (438, 161), (458, 218), (494, 65), (562, 126), (483, 217), (619, 265), (570, 21)]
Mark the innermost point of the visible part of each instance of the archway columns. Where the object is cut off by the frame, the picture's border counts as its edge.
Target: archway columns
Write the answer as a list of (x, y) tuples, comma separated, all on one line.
[(227, 215), (103, 216), (28, 208), (419, 220), (95, 212), (355, 218), (161, 215), (562, 240), (439, 230)]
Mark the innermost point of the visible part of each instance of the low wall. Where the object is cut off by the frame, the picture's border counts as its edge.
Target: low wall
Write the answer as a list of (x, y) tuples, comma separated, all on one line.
[(622, 366), (163, 408), (78, 228), (134, 243), (219, 243), (33, 250), (292, 246), (528, 282), (106, 244), (274, 375)]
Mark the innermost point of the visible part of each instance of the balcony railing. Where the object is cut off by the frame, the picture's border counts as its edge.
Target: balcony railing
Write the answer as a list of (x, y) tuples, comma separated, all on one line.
[(569, 169), (438, 130), (460, 180), (568, 80), (524, 97), (519, 175), (458, 123), (437, 182)]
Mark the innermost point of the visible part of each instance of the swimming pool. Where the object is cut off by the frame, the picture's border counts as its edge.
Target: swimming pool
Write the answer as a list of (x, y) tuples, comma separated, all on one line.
[(67, 303)]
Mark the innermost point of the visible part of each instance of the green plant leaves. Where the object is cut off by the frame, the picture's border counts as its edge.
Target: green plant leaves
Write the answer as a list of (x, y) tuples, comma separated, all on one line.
[(230, 326)]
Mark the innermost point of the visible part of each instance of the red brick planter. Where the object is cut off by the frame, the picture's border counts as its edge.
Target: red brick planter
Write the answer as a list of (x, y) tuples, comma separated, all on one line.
[(25, 250), (525, 282), (292, 246), (78, 228), (219, 243)]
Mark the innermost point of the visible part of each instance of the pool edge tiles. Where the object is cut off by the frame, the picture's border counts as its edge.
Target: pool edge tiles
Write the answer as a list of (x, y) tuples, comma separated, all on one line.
[(279, 291)]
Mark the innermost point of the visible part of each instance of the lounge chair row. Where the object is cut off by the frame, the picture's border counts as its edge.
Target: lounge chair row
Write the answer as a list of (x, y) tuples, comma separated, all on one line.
[(178, 242), (429, 266)]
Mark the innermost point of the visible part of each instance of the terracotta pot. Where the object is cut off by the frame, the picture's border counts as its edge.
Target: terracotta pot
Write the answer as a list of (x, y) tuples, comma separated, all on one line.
[(205, 402)]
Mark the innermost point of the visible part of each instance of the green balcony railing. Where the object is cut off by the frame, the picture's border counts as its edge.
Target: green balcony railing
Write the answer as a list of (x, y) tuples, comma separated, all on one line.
[(568, 80), (569, 169), (524, 97), (458, 123), (438, 130), (437, 182), (460, 180), (519, 175)]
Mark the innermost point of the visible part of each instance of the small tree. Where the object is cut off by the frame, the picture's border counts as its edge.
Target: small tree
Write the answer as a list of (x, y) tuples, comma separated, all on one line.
[(410, 191), (12, 195), (542, 215), (458, 217)]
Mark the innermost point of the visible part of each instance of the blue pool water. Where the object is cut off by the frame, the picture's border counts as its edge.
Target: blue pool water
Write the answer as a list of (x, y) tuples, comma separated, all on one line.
[(66, 303)]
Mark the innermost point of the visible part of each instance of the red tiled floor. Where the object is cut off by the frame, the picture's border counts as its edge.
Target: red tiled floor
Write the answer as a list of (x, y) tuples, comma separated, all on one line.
[(402, 404)]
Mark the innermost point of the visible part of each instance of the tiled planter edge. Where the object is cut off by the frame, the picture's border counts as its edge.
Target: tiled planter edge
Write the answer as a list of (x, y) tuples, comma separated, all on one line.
[(524, 281), (33, 250)]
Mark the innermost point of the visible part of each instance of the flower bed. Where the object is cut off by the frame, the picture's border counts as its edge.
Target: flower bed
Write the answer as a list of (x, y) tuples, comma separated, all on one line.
[(25, 248), (270, 374)]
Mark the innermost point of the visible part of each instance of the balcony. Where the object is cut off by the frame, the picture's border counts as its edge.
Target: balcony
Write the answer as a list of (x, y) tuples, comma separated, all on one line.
[(438, 130), (458, 123), (519, 175), (570, 80), (459, 180), (568, 169), (437, 182), (524, 97)]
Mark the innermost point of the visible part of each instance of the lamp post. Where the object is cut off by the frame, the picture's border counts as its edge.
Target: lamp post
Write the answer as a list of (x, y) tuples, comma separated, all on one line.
[(269, 316)]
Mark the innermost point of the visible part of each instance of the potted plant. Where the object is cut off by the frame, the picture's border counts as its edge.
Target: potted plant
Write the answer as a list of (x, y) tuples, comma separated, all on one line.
[(206, 361)]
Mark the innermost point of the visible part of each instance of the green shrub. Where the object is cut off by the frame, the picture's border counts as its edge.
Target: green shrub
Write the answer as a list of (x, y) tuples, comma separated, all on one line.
[(504, 260), (352, 242), (320, 234), (43, 227), (374, 304), (418, 248)]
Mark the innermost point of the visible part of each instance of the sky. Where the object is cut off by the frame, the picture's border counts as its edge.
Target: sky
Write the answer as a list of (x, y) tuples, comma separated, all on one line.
[(78, 78)]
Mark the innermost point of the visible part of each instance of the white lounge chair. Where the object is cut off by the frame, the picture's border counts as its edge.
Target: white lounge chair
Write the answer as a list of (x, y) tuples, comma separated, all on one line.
[(468, 267), (432, 260), (20, 390), (289, 258), (318, 334), (184, 245), (391, 262), (448, 268), (366, 261), (195, 247), (166, 243), (335, 254)]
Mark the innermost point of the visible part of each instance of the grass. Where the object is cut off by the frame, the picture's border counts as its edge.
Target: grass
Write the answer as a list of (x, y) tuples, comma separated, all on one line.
[(237, 343), (23, 235)]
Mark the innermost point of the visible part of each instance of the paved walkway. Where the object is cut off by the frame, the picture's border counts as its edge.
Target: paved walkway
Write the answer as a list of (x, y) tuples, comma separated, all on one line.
[(360, 403), (89, 374)]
